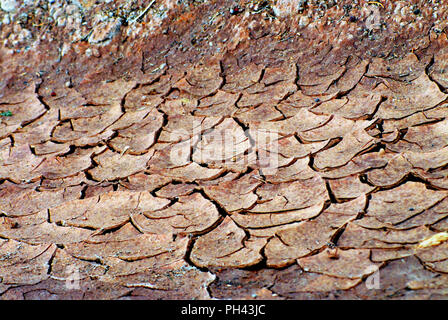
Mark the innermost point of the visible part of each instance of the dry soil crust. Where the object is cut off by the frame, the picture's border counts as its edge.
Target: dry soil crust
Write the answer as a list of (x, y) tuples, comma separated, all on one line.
[(95, 99)]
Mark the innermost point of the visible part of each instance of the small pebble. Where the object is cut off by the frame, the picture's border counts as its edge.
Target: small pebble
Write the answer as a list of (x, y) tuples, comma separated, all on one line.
[(235, 10)]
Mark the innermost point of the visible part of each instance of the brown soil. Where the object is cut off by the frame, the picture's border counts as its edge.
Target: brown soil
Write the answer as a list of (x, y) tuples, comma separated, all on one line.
[(96, 97)]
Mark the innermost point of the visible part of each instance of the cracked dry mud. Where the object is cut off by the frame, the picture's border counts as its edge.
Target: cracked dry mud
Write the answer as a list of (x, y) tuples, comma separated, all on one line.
[(89, 186)]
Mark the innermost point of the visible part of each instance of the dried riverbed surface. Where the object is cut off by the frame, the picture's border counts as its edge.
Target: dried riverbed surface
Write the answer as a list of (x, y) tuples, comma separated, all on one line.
[(115, 182)]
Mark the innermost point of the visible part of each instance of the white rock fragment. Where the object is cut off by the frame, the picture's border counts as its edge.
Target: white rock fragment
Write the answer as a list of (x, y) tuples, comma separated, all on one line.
[(8, 5), (303, 21)]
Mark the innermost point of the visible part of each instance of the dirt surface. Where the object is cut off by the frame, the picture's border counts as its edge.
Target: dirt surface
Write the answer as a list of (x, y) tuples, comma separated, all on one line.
[(135, 163)]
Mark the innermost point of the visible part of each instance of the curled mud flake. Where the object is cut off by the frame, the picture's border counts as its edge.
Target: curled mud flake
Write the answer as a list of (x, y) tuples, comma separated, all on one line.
[(283, 72), (271, 94), (83, 268), (407, 69), (293, 103), (113, 165), (254, 114), (38, 131), (352, 264), (337, 127), (349, 188), (189, 173), (339, 155), (294, 283), (303, 120), (141, 247), (297, 241), (438, 178), (93, 190), (438, 71), (359, 164), (97, 123), (428, 160), (220, 104), (438, 113), (361, 102), (126, 232), (62, 167), (24, 107), (424, 138), (298, 170), (138, 118), (428, 217), (149, 95), (105, 211), (50, 149), (179, 104), (105, 92), (82, 111), (29, 272), (300, 239), (356, 236), (395, 279), (403, 202), (434, 252), (225, 142), (235, 195), (190, 214), (416, 119), (19, 201), (19, 164), (315, 82), (45, 232), (177, 280), (202, 80), (339, 214), (435, 283), (226, 246), (267, 220), (242, 78), (14, 252), (13, 223), (175, 190), (184, 127), (394, 172), (171, 155), (438, 266), (289, 147), (383, 255), (65, 133), (350, 78), (290, 195), (405, 99), (165, 258), (145, 182), (139, 136)]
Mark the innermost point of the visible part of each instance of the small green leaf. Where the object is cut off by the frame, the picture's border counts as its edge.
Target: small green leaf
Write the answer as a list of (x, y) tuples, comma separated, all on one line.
[(6, 114)]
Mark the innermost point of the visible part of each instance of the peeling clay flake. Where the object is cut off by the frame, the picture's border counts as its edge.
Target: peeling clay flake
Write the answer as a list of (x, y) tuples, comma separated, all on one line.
[(435, 240)]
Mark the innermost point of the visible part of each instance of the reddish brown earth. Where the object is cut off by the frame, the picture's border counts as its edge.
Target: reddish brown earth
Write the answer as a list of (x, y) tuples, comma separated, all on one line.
[(96, 97)]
